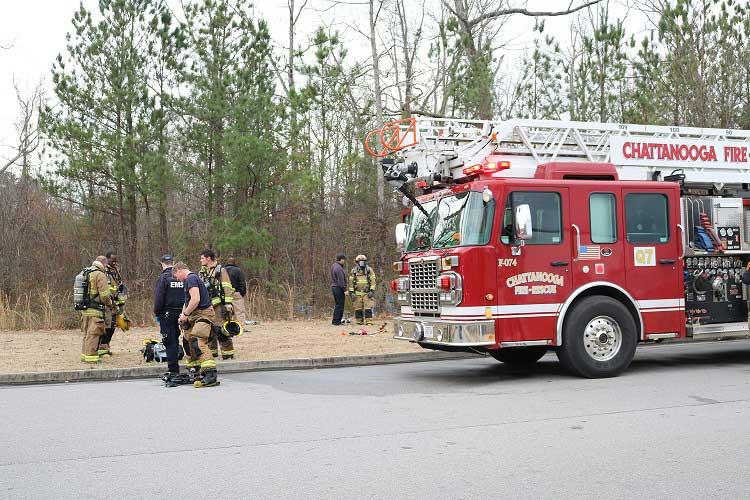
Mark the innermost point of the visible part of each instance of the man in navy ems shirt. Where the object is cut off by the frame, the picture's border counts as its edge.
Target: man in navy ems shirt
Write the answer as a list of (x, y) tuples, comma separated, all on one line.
[(169, 296)]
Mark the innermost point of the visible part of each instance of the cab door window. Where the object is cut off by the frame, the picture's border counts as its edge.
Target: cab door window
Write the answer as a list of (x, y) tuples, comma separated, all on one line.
[(646, 218), (546, 216), (603, 218)]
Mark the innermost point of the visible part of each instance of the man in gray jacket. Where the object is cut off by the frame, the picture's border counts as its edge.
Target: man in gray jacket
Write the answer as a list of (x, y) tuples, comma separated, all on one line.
[(338, 286)]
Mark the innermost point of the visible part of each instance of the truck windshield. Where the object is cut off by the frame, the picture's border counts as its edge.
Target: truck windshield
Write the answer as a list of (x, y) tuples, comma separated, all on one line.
[(419, 236), (462, 219)]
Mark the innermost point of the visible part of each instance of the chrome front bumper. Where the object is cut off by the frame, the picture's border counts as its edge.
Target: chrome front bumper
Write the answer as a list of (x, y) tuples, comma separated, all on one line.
[(441, 332)]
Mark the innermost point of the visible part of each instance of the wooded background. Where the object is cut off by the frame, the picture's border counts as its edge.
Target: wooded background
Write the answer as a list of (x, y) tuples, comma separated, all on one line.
[(169, 128)]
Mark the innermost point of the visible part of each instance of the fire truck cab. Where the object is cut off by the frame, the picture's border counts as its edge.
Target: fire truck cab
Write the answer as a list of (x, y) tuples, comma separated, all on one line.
[(583, 238)]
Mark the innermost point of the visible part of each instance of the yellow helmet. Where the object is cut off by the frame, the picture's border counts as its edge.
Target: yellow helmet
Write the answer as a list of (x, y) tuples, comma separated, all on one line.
[(360, 257), (232, 328), (122, 322)]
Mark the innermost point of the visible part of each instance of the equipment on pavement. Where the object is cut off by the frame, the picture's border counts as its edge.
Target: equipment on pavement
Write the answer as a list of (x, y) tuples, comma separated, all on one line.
[(175, 379)]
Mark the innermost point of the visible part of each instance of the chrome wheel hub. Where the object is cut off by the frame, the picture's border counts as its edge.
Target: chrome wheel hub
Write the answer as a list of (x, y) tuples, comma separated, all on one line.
[(602, 338)]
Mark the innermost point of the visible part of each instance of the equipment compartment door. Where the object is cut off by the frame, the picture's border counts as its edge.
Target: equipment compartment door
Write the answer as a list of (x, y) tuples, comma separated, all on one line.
[(533, 285), (653, 269)]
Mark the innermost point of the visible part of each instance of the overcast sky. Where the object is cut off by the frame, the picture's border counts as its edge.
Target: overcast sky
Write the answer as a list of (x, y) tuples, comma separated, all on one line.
[(35, 32)]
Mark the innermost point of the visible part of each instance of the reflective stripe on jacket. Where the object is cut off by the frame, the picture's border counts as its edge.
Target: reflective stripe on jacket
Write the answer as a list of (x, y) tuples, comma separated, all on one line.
[(218, 284), (361, 281), (99, 293)]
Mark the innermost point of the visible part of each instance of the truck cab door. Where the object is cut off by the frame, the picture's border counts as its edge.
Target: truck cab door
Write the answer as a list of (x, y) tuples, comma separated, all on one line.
[(533, 282), (596, 223), (653, 265)]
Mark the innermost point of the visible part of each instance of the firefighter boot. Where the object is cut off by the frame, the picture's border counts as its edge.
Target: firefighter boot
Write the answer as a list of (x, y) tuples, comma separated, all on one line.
[(227, 355), (209, 379), (359, 317), (194, 374)]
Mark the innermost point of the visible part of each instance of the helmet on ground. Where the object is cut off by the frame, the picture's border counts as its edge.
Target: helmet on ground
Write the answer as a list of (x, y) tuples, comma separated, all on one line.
[(232, 328), (122, 322), (359, 258)]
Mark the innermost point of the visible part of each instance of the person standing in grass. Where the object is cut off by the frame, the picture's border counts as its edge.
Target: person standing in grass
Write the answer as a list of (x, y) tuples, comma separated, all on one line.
[(92, 316), (119, 296), (338, 286), (237, 278), (362, 290)]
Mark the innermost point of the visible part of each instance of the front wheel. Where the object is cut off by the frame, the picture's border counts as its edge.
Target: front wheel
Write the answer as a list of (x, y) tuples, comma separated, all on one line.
[(599, 338), (519, 356)]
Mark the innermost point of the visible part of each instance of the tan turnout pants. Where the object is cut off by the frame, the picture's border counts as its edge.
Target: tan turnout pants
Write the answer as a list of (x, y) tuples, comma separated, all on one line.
[(362, 305), (195, 338), (92, 328), (216, 339)]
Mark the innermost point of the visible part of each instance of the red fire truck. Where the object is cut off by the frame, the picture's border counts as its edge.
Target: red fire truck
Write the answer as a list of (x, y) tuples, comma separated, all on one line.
[(585, 238)]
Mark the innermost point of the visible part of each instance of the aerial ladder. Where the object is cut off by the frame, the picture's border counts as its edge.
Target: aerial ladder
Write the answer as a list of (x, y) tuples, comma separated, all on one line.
[(709, 163), (438, 150)]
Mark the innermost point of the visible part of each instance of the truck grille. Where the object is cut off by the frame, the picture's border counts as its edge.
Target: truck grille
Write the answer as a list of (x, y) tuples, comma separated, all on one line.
[(424, 301), (423, 275)]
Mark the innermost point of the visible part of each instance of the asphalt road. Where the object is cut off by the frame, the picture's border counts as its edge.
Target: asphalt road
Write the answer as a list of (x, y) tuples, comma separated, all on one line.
[(676, 425)]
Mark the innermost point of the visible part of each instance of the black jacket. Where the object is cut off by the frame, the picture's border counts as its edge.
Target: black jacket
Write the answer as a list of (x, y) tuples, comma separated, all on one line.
[(237, 277), (169, 294)]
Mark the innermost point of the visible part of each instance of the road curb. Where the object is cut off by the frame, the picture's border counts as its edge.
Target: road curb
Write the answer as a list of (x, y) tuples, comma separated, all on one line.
[(157, 369)]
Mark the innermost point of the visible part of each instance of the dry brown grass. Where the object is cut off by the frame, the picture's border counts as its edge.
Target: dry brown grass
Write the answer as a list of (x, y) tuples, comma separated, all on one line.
[(48, 310), (51, 350)]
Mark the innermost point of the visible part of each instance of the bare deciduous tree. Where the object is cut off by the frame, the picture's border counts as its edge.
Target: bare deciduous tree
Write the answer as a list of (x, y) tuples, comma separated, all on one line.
[(27, 129)]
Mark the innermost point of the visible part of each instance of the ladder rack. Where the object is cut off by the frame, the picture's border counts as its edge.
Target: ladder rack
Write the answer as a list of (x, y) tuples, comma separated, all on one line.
[(423, 147)]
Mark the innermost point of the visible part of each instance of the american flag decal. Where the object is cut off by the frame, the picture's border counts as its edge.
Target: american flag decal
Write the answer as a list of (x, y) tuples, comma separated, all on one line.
[(589, 252)]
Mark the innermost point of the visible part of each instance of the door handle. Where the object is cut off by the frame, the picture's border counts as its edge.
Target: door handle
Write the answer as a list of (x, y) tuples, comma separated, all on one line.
[(577, 241), (667, 261), (558, 263), (682, 239)]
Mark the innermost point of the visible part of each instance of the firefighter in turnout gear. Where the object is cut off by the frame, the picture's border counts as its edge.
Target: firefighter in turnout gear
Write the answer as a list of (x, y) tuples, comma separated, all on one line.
[(221, 291), (118, 294), (96, 301), (196, 320), (362, 290)]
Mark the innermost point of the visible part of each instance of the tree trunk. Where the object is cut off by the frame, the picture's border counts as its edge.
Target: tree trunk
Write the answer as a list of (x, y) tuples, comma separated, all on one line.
[(381, 223)]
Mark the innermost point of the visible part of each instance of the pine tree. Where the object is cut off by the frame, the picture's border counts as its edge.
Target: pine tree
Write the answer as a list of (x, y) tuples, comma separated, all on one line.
[(102, 125), (229, 122)]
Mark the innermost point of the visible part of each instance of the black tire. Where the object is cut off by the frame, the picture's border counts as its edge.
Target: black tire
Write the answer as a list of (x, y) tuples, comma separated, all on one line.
[(519, 356), (581, 349)]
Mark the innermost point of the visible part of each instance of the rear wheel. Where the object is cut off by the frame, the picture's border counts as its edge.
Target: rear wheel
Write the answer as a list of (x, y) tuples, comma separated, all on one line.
[(519, 356), (599, 338)]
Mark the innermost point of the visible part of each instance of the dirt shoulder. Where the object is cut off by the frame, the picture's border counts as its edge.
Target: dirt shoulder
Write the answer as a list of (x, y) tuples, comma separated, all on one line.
[(53, 350)]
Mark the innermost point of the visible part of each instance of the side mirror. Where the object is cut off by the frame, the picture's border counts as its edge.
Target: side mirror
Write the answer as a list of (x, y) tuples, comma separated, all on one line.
[(401, 230), (522, 223)]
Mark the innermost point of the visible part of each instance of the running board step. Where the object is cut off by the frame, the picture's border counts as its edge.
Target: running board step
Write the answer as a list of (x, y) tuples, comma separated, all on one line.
[(719, 330)]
